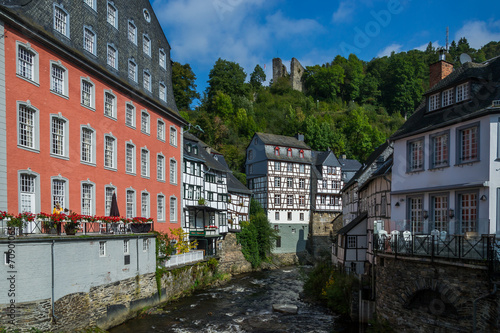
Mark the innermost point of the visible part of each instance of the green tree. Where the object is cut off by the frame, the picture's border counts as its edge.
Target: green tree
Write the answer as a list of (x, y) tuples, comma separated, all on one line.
[(227, 77), (323, 82), (257, 77), (183, 85), (222, 105)]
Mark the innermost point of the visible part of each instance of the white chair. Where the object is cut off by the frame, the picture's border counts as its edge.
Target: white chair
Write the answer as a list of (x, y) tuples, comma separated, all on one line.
[(382, 236), (394, 238), (442, 235), (407, 239)]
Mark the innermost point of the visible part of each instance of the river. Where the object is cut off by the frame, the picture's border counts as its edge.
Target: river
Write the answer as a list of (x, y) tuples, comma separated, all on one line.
[(245, 304)]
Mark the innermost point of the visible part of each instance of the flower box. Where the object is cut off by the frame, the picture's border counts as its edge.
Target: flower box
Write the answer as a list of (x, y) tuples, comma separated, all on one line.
[(139, 228)]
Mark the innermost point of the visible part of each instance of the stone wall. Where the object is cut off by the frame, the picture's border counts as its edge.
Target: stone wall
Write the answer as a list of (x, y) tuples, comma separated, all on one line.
[(232, 259), (296, 72), (425, 296), (321, 229)]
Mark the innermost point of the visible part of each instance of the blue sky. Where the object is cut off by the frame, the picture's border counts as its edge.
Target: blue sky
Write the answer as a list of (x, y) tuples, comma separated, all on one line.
[(252, 32)]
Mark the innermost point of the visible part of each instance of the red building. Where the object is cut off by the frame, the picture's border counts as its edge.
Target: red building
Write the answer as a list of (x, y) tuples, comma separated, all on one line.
[(87, 109)]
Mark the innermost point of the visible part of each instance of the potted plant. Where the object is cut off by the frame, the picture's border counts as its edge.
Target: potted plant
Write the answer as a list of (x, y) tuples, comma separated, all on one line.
[(72, 224), (141, 224), (201, 202)]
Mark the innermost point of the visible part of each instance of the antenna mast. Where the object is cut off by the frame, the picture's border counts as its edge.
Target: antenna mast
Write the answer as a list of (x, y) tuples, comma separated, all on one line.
[(447, 37)]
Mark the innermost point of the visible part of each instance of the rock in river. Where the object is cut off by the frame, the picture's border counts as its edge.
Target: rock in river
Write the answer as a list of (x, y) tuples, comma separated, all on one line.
[(285, 308)]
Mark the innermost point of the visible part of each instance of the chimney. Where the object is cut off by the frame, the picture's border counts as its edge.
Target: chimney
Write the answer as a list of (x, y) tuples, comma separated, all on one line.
[(439, 70), (300, 137)]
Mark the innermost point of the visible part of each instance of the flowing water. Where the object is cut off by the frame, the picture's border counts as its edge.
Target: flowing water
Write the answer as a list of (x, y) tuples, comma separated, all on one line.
[(245, 304)]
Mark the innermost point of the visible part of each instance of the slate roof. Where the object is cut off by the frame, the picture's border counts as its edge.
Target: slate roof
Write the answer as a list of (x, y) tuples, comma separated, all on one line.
[(281, 140), (381, 171), (234, 185), (349, 226), (484, 90), (349, 165)]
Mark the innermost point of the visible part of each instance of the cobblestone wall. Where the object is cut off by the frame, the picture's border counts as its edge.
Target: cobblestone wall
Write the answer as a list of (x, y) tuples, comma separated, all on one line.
[(232, 259), (421, 296)]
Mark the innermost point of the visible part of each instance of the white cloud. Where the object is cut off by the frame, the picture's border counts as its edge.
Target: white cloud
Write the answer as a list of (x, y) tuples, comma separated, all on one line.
[(479, 33), (389, 49), (423, 47), (344, 13)]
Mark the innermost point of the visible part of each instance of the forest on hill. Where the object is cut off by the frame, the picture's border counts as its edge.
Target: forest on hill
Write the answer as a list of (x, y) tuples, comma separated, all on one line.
[(349, 105)]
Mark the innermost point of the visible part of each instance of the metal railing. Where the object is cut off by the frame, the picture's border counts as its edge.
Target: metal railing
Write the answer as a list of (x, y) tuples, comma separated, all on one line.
[(185, 258)]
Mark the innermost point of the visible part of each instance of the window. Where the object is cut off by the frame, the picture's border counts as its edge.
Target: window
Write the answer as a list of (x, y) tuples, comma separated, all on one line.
[(88, 195), (289, 167), (27, 127), (132, 32), (102, 248), (289, 182), (325, 184), (467, 203), (112, 15), (160, 168), (277, 166), (302, 200), (301, 153), (278, 241), (58, 79), (146, 14), (61, 21), (302, 183), (132, 70), (146, 80), (250, 154), (447, 97), (439, 150), (160, 207), (59, 136), (173, 171), (302, 168), (109, 151), (144, 162), (416, 155), (130, 158), (89, 40), (301, 216), (108, 198), (276, 151), (126, 246), (289, 152), (27, 62), (90, 3), (462, 92), (289, 217), (160, 130), (173, 209), (112, 57), (109, 105), (439, 212), (130, 204), (163, 59), (173, 136), (162, 91), (88, 94), (277, 199), (145, 122), (277, 181), (60, 192), (145, 204), (351, 242), (29, 189), (87, 154), (289, 199), (146, 45), (468, 145), (145, 245), (415, 214), (277, 216), (433, 102), (130, 115)]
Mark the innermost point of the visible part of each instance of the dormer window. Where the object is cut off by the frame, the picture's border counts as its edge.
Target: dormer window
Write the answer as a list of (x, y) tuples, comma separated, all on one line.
[(433, 102), (447, 97), (276, 151), (462, 92), (301, 154), (289, 152)]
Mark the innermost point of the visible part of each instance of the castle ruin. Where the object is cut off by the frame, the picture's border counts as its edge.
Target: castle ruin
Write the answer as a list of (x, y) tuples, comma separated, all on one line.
[(295, 76)]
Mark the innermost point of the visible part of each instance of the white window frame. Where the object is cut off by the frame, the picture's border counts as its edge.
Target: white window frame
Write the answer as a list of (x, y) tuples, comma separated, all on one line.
[(146, 45), (132, 158), (130, 203), (91, 36), (112, 56), (84, 128), (145, 166), (160, 207), (434, 102), (132, 65), (102, 248), (25, 128), (412, 163), (160, 167), (132, 118), (21, 71), (447, 97), (91, 92), (146, 80), (65, 137), (92, 197), (126, 246), (63, 91), (113, 152), (173, 136), (145, 204), (439, 143), (173, 209), (459, 154), (107, 203), (145, 122), (90, 3), (162, 58), (462, 92), (35, 191), (113, 104), (132, 36), (173, 171), (61, 22), (160, 130), (162, 91), (112, 14), (65, 197)]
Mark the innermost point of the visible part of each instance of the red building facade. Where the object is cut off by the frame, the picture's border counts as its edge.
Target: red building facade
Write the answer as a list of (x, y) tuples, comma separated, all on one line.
[(77, 131)]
